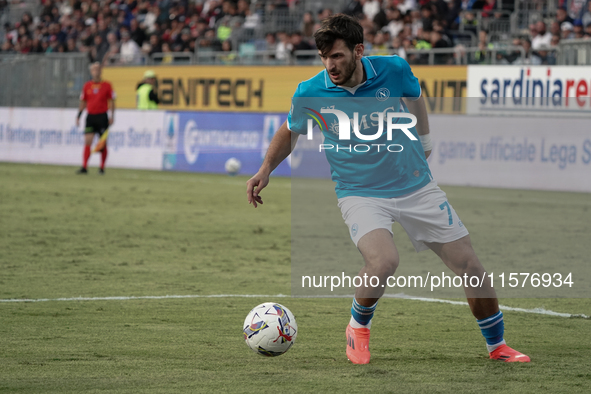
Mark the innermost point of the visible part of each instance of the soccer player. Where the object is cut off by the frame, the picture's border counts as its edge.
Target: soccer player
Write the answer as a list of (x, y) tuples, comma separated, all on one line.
[(97, 97), (378, 188)]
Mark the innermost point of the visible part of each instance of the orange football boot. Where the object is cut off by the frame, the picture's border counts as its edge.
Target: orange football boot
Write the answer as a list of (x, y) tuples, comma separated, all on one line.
[(358, 345), (508, 355)]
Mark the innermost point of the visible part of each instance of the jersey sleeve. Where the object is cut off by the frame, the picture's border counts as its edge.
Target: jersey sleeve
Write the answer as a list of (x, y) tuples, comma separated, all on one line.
[(295, 121), (410, 84), (83, 93), (112, 95)]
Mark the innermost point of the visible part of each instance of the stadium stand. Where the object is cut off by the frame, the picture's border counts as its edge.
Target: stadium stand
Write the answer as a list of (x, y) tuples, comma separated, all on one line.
[(132, 32)]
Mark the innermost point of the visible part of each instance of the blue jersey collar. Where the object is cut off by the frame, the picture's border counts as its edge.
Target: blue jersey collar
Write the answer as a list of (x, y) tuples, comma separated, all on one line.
[(370, 72)]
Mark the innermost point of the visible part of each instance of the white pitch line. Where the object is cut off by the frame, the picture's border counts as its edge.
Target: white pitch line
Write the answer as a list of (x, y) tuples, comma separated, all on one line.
[(539, 311), (125, 298)]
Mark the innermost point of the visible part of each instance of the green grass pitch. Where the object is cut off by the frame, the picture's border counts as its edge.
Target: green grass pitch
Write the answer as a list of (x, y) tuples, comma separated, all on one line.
[(143, 233)]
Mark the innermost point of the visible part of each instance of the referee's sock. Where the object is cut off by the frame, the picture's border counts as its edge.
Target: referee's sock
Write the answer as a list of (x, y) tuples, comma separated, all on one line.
[(103, 157), (86, 156)]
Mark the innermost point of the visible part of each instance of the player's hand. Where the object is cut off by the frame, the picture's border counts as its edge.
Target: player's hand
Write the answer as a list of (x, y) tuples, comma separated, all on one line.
[(254, 186)]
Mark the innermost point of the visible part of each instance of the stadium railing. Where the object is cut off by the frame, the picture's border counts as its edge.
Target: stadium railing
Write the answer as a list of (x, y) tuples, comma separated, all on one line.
[(48, 80), (119, 60), (15, 10), (575, 52), (497, 23), (458, 55)]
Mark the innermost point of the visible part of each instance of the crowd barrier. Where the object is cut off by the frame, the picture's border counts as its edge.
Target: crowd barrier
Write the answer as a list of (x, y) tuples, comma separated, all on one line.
[(529, 90), (260, 88)]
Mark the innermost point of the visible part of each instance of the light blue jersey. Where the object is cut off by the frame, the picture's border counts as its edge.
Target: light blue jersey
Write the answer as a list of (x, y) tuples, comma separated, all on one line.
[(382, 167)]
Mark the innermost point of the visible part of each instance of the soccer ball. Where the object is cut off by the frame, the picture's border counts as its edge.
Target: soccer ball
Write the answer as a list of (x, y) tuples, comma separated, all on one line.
[(270, 329), (233, 166)]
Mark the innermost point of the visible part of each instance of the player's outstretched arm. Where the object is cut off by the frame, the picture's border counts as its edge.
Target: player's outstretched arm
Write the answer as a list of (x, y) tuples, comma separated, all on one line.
[(280, 147), (419, 109)]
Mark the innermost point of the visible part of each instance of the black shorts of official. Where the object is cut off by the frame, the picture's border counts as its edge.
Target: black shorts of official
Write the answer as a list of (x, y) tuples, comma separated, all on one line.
[(97, 123)]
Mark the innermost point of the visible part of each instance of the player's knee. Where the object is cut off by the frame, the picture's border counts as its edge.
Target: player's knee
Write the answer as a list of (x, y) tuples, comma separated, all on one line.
[(470, 266), (384, 266)]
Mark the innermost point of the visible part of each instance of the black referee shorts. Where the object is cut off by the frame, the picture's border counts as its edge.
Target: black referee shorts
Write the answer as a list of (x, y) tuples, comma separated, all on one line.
[(97, 123)]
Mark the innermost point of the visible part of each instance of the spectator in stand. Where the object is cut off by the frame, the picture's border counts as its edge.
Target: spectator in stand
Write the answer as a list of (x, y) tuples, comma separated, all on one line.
[(578, 30), (403, 20), (210, 41), (3, 5), (368, 39), (183, 42), (588, 31), (586, 18), (299, 44), (154, 45), (270, 43), (199, 29), (395, 22), (370, 8), (150, 19), (307, 25), (562, 17), (567, 31), (36, 45), (130, 52), (380, 47), (284, 46), (438, 41), (354, 8), (427, 18), (514, 56), (488, 8), (175, 30), (548, 55), (71, 46), (423, 43), (229, 57), (98, 50), (323, 14), (530, 57), (381, 19), (555, 28), (416, 22), (167, 57), (573, 7), (251, 20), (397, 48), (113, 43), (542, 38), (53, 44), (137, 33)]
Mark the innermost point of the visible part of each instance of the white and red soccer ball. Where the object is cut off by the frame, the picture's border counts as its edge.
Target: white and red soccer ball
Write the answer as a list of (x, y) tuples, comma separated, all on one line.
[(270, 329)]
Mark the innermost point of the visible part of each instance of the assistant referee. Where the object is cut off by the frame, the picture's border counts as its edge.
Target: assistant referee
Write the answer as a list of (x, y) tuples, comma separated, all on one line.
[(97, 97)]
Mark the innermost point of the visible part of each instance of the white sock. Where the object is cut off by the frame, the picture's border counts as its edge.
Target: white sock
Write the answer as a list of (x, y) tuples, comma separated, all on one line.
[(491, 348), (353, 323)]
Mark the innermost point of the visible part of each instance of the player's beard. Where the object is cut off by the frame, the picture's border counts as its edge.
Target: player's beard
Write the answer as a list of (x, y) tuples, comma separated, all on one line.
[(347, 73)]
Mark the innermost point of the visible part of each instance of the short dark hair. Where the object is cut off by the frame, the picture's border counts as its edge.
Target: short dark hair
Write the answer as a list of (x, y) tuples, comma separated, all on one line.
[(339, 26)]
